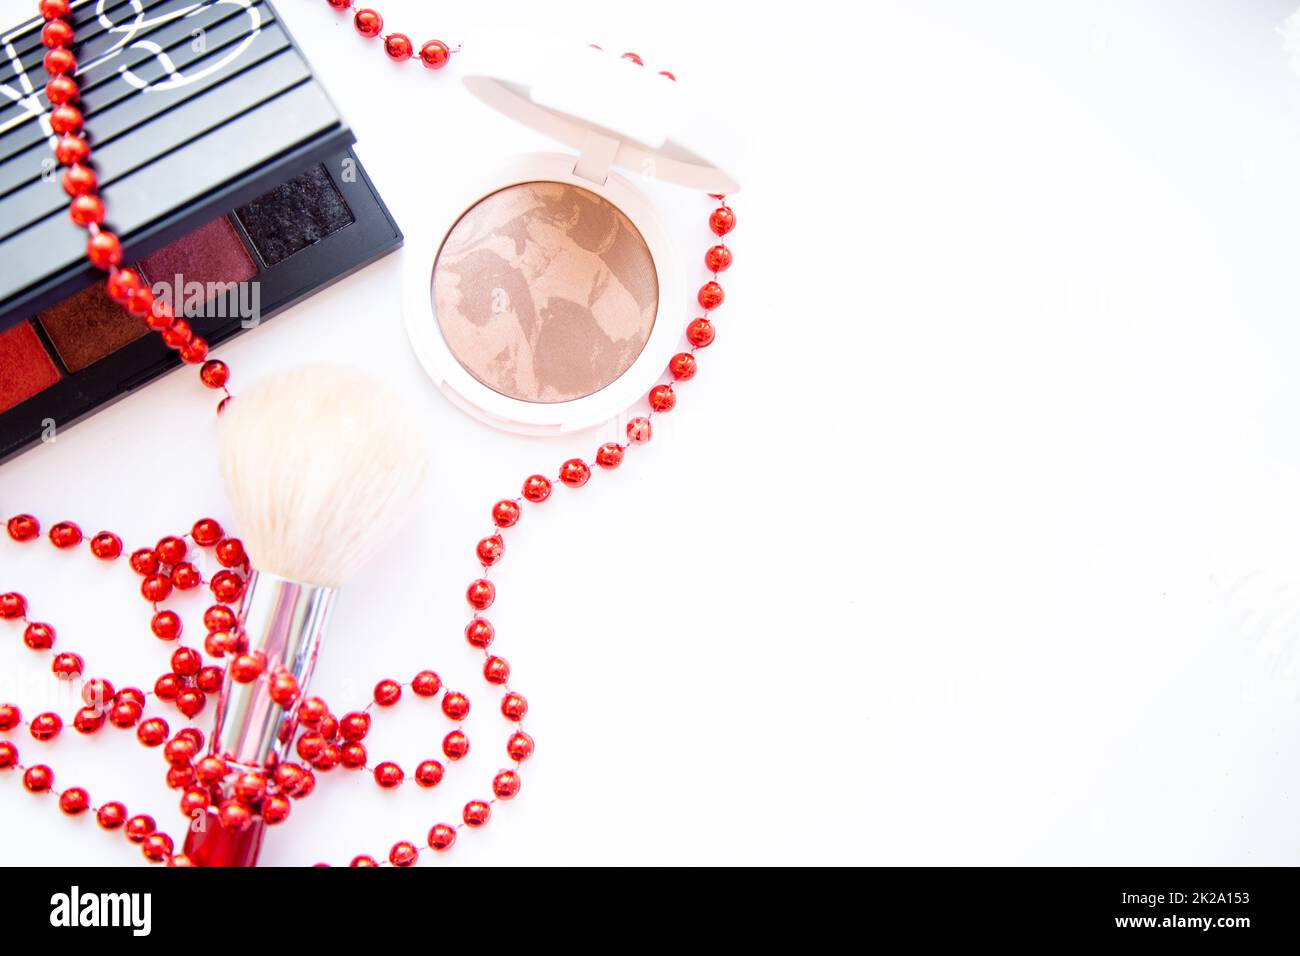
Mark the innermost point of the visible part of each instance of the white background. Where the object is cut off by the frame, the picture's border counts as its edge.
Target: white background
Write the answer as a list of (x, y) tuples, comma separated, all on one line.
[(976, 540)]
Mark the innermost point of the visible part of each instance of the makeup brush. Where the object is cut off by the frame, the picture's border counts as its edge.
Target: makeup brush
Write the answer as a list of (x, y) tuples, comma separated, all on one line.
[(321, 466)]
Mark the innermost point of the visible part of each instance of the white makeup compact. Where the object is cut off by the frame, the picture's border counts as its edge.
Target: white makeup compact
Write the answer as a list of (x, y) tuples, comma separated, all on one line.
[(550, 300)]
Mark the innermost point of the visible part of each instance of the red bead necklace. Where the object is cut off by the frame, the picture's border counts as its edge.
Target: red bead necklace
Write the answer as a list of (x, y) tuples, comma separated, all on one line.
[(326, 741)]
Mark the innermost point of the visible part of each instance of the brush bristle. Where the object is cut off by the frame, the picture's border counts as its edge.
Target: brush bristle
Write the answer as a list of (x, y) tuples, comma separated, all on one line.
[(321, 466)]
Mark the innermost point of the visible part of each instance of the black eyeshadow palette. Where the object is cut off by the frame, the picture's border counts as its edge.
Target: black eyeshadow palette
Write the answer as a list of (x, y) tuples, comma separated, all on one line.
[(227, 173)]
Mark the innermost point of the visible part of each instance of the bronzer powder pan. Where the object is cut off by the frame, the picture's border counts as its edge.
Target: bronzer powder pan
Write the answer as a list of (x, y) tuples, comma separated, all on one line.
[(545, 292), (536, 306)]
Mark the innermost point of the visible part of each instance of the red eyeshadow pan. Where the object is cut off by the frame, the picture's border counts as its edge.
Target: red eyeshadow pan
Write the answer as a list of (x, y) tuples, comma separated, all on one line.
[(210, 254), (25, 366)]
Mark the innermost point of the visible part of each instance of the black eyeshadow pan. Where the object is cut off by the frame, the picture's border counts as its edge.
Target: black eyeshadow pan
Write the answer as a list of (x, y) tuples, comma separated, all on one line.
[(295, 215)]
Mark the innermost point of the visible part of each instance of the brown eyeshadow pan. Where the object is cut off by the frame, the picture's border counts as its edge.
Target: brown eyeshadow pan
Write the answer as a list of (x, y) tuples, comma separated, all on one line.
[(89, 326)]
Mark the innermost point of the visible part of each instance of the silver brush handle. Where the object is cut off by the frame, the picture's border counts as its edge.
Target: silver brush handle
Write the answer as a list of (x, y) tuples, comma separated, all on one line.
[(286, 621)]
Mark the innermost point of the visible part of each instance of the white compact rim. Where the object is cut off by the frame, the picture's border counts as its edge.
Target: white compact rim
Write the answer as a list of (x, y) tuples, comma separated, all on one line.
[(484, 402)]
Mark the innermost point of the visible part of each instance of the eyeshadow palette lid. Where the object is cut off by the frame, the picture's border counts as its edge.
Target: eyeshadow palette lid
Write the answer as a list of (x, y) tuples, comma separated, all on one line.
[(613, 111), (193, 107)]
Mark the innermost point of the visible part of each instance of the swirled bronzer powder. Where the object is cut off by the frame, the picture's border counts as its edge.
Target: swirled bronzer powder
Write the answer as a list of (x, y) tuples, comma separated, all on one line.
[(545, 292)]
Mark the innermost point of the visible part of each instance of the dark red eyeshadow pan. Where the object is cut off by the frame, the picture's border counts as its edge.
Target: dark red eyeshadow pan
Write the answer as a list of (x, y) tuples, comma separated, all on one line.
[(211, 254), (89, 326), (25, 366)]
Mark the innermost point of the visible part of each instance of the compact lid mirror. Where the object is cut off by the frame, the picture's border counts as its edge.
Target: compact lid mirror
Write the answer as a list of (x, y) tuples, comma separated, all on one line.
[(612, 111)]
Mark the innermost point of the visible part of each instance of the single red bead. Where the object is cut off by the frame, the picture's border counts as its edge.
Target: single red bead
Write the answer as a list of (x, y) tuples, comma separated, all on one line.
[(139, 827), (310, 746), (455, 705), (65, 534), (284, 690), (353, 755), (157, 847), (142, 303), (520, 746), (490, 550), (514, 706), (234, 816), (10, 716), (66, 666), (246, 668), (8, 755), (312, 711), (328, 727), (103, 249), (194, 802), (218, 618), (506, 784), (53, 9), (166, 625), (575, 473), (186, 661), (156, 587), (339, 4), (435, 54), (177, 336), (124, 714), (354, 726), (505, 513), (718, 259), (180, 751), (496, 670), (362, 860), (60, 90), (194, 352), (167, 687), (398, 46), (633, 58), (275, 809), (12, 606), (683, 366), (250, 789), (186, 577), (88, 720), (480, 594), (368, 23), (455, 745), (662, 398), (46, 726), (609, 455), (38, 636), (428, 773), (171, 549), (106, 546), (38, 779), (219, 643), (537, 488), (387, 693), (206, 531), (192, 734), (293, 780), (710, 295), (389, 775), (123, 285), (132, 694), (214, 374), (97, 692), (212, 770), (111, 816), (638, 431), (226, 586), (160, 317), (701, 333), (23, 527), (179, 778), (191, 701), (426, 684), (84, 210), (71, 149), (74, 801), (59, 61), (56, 33), (442, 836), (477, 813), (722, 220), (403, 854), (144, 562), (230, 552), (153, 732), (480, 632)]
